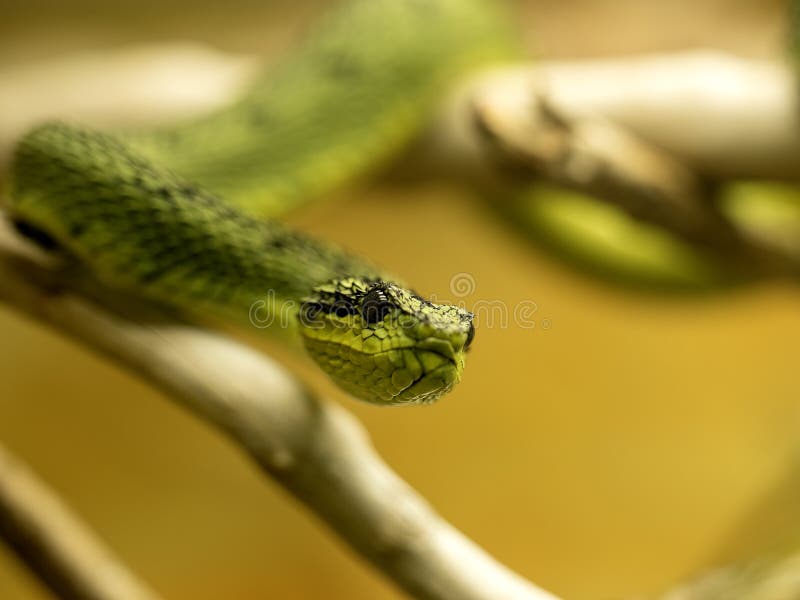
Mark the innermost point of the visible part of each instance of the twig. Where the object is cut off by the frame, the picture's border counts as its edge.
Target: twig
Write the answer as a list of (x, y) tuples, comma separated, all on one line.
[(519, 120), (606, 162), (315, 449), (766, 578), (62, 552), (720, 115), (601, 159)]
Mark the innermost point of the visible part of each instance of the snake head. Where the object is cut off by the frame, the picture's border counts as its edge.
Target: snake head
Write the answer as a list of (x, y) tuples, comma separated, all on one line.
[(383, 343)]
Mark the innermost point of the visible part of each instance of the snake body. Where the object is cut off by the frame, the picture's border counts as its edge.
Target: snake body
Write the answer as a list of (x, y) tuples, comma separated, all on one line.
[(342, 103), (166, 213)]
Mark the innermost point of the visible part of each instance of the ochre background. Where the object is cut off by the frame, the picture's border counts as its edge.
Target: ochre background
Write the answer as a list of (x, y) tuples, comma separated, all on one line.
[(637, 440)]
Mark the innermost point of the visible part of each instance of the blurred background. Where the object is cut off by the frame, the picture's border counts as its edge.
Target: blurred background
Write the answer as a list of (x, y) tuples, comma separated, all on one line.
[(635, 440)]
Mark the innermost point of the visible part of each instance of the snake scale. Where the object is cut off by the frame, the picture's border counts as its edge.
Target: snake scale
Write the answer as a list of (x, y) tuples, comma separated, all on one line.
[(172, 214)]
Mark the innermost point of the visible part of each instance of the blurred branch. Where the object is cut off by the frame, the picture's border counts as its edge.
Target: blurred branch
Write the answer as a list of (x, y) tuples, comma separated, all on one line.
[(315, 449), (599, 158), (56, 546), (766, 578), (133, 86), (720, 115), (717, 114)]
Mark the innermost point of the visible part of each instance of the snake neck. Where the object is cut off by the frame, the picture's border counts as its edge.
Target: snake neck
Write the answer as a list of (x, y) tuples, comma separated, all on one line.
[(144, 229)]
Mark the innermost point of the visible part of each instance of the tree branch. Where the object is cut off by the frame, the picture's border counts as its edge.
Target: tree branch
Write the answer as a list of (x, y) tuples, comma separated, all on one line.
[(765, 578), (523, 118), (596, 157), (57, 547), (720, 115), (315, 449), (129, 87)]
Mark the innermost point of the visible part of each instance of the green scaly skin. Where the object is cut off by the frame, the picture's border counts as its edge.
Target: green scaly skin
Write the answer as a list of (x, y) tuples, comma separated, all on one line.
[(343, 103), (129, 209)]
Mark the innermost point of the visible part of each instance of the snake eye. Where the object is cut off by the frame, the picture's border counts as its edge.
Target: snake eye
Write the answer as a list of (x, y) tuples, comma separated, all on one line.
[(470, 337), (341, 312), (375, 306)]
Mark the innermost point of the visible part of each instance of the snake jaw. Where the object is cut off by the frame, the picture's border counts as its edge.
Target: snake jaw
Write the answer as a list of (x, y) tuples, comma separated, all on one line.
[(440, 374), (383, 343)]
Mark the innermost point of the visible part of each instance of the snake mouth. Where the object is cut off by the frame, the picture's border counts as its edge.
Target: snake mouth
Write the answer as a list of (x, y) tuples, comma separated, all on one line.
[(430, 386), (438, 346), (441, 371), (419, 372)]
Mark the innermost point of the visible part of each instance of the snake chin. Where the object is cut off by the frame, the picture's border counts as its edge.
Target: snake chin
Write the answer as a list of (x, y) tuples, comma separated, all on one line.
[(414, 377), (434, 382)]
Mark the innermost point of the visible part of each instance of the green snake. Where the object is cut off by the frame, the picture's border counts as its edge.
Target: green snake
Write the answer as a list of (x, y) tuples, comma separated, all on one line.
[(169, 214), (178, 214)]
